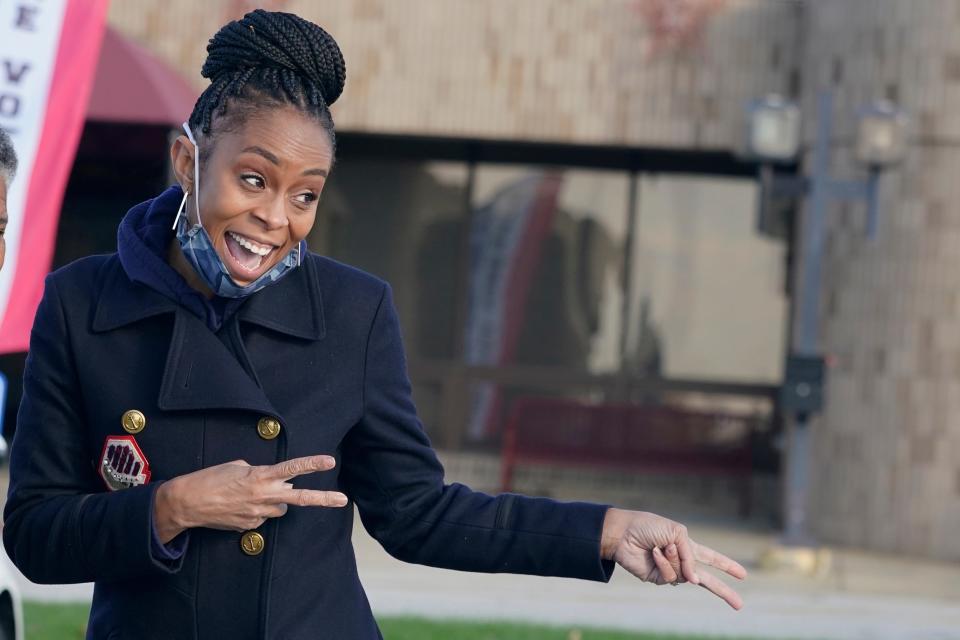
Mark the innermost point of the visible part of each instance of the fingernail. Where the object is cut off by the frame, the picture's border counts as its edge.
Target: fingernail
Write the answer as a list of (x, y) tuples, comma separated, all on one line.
[(672, 548), (696, 578), (341, 501), (656, 551)]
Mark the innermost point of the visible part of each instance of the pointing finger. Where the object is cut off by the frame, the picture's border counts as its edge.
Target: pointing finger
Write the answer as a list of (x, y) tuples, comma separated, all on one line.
[(300, 466), (719, 561), (716, 586), (314, 498)]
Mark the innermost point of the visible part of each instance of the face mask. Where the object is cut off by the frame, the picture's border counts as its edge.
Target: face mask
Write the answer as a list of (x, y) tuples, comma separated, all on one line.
[(198, 248)]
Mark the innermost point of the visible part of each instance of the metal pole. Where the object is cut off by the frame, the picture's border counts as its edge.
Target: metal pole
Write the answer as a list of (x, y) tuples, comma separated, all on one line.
[(806, 328)]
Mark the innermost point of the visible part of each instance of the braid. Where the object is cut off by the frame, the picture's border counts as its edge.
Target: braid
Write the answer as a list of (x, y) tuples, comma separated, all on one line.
[(268, 59)]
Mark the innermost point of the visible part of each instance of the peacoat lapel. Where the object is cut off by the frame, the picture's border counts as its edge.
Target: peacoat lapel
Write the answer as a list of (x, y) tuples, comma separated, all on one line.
[(200, 371)]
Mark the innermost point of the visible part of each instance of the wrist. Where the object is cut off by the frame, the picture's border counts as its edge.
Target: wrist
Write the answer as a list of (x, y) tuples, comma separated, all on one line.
[(614, 524), (168, 514)]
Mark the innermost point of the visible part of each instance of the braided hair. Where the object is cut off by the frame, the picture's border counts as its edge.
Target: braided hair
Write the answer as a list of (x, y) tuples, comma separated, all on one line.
[(268, 59), (8, 158)]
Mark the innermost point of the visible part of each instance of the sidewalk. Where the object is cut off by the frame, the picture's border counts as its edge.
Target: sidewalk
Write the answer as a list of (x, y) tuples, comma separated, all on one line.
[(864, 596)]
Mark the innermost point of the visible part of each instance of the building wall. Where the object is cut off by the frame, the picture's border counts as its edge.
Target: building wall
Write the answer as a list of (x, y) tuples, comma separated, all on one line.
[(887, 450), (568, 70)]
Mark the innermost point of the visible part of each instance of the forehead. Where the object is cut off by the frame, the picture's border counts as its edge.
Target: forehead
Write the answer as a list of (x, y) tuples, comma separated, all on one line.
[(294, 137)]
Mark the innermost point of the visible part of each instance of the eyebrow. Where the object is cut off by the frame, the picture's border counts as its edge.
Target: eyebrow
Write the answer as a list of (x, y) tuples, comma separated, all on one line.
[(260, 151)]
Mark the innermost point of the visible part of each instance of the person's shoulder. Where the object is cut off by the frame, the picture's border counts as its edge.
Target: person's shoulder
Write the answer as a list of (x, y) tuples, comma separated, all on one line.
[(84, 272), (340, 280)]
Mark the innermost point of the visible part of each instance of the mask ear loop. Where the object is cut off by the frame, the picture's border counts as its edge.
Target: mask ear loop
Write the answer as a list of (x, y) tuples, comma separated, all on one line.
[(196, 170), (186, 194)]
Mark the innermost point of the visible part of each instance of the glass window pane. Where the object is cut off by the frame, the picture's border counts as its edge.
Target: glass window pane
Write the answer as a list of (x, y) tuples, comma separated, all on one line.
[(402, 221), (707, 298), (546, 257)]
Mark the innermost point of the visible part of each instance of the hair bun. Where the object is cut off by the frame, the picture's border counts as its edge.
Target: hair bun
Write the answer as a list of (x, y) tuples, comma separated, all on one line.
[(276, 40)]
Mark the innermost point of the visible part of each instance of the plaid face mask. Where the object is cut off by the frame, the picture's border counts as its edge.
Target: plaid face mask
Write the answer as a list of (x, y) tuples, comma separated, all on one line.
[(203, 257)]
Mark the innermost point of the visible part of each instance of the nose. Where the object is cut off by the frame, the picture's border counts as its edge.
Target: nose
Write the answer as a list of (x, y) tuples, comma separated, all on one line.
[(272, 214)]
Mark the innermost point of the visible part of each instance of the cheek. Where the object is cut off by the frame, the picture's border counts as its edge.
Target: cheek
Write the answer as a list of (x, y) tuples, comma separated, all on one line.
[(3, 250), (219, 204), (300, 227)]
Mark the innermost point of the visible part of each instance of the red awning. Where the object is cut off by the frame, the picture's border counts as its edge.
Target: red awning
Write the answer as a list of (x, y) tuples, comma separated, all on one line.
[(133, 85)]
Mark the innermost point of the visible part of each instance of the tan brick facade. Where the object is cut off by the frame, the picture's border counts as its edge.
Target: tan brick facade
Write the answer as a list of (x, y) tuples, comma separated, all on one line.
[(887, 461), (560, 70)]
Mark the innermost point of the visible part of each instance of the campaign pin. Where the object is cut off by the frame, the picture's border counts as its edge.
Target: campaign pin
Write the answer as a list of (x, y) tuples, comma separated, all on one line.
[(122, 464)]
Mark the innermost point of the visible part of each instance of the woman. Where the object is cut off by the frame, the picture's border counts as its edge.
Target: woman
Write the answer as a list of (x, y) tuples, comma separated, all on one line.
[(200, 406)]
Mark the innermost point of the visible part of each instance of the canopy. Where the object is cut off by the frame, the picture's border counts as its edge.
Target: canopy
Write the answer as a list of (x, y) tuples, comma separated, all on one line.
[(132, 85)]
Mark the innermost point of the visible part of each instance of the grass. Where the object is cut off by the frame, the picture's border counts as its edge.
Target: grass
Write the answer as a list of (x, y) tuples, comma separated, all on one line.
[(420, 629), (68, 622), (54, 621)]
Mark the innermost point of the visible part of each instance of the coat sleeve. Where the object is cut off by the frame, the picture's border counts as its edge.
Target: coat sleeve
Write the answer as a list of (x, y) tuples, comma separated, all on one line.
[(60, 525), (390, 470)]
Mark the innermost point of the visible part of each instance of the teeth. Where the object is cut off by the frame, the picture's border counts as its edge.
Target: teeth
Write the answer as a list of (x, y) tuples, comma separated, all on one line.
[(249, 246)]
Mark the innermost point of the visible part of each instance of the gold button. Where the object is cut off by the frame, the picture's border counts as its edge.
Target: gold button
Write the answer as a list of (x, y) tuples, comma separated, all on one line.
[(268, 428), (133, 421), (252, 543)]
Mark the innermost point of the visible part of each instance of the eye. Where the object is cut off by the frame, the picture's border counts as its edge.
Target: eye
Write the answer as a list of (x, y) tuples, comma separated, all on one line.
[(307, 198), (253, 180)]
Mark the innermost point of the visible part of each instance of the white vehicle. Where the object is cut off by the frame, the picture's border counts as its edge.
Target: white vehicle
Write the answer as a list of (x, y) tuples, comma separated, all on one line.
[(11, 607)]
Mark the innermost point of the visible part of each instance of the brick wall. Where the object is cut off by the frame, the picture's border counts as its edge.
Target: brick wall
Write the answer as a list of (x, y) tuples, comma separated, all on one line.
[(887, 451), (561, 70)]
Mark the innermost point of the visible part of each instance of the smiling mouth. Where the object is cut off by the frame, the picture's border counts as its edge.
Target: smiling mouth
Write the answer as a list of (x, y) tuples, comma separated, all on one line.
[(248, 254)]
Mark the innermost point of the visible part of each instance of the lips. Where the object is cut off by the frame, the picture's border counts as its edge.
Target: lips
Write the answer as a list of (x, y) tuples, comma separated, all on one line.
[(248, 254)]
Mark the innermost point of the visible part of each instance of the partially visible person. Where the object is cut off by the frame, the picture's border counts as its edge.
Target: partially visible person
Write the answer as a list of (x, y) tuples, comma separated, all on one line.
[(8, 167), (11, 607)]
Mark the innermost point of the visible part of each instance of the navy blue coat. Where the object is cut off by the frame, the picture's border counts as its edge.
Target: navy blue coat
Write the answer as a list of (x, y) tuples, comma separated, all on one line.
[(321, 352)]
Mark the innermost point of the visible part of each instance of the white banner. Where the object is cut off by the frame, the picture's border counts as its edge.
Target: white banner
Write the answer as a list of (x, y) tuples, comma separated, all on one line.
[(29, 35)]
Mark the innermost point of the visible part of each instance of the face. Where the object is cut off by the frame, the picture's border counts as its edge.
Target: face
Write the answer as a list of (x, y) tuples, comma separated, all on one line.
[(259, 187), (3, 220)]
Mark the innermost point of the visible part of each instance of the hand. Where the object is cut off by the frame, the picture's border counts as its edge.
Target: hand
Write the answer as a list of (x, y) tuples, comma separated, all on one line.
[(659, 550), (236, 496)]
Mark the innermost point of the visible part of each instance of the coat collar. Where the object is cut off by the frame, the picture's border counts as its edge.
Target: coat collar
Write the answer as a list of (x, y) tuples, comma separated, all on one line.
[(200, 371), (292, 306)]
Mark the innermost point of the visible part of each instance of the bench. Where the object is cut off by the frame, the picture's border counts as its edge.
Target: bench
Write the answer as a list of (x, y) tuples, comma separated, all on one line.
[(637, 438)]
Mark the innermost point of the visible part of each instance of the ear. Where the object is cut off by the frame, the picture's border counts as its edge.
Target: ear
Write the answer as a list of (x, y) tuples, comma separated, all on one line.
[(182, 155)]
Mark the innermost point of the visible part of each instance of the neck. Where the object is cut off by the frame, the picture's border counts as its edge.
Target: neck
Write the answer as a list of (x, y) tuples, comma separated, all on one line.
[(182, 266)]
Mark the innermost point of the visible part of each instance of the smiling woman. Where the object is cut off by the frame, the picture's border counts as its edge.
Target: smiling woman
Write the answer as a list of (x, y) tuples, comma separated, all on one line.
[(199, 406), (265, 176)]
